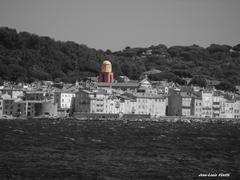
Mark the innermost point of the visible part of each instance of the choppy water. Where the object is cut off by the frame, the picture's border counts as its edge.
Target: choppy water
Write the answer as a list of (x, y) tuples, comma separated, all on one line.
[(72, 149)]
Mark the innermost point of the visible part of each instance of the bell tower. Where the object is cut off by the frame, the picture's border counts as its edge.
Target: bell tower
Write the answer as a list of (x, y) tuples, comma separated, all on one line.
[(106, 74)]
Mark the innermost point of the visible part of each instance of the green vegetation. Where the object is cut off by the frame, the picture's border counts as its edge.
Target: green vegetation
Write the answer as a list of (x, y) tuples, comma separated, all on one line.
[(226, 86), (198, 81), (28, 57)]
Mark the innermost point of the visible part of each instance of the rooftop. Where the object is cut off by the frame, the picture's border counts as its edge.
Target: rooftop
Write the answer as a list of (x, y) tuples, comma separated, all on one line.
[(116, 85)]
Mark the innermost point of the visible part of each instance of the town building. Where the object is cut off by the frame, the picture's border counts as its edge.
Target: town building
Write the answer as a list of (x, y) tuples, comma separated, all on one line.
[(65, 102), (13, 93), (184, 102), (125, 86), (34, 95), (180, 104), (216, 104), (207, 103), (145, 101), (197, 106), (153, 105), (95, 101), (149, 101), (1, 107), (7, 105), (228, 109), (236, 109)]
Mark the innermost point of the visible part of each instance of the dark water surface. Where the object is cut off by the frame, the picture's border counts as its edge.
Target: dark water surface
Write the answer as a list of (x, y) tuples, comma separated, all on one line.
[(72, 149)]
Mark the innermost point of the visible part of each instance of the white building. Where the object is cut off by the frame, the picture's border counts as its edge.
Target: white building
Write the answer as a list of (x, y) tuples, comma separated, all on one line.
[(197, 107), (207, 103), (108, 102), (216, 105), (64, 99), (228, 109), (154, 105)]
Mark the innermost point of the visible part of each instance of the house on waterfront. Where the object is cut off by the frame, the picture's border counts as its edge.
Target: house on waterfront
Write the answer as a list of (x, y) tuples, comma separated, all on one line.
[(180, 103), (65, 100), (207, 103), (144, 101), (7, 105)]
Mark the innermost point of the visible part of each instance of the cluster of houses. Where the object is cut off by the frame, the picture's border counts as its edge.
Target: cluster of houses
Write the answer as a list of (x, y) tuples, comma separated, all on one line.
[(127, 99), (25, 101), (106, 97), (203, 103)]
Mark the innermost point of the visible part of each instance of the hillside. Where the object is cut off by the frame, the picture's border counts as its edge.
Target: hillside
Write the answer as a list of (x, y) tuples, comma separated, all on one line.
[(28, 57)]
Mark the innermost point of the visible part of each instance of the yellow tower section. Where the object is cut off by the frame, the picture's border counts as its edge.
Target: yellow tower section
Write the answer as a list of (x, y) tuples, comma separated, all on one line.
[(106, 67)]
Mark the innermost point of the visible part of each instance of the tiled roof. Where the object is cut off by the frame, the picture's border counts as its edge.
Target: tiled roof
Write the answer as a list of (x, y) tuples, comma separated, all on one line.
[(116, 85)]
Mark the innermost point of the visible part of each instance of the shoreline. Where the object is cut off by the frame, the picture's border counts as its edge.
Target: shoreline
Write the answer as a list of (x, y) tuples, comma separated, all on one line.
[(172, 119)]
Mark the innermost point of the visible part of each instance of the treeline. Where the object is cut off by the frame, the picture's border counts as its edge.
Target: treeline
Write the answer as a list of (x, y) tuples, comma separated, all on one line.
[(28, 57)]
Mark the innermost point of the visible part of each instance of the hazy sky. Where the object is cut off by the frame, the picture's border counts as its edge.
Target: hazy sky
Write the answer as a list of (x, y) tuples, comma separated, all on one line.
[(115, 24)]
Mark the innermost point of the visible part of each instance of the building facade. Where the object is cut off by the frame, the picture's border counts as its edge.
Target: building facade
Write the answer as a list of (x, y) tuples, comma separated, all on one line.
[(197, 106), (207, 104), (108, 102), (237, 109), (180, 104)]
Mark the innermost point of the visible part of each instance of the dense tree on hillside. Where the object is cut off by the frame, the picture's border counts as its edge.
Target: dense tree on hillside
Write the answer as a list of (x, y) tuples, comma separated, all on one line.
[(199, 81), (226, 86), (28, 57), (236, 48), (1, 81)]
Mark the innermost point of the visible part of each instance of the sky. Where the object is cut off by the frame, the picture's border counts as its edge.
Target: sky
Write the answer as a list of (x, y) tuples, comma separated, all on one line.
[(115, 24)]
